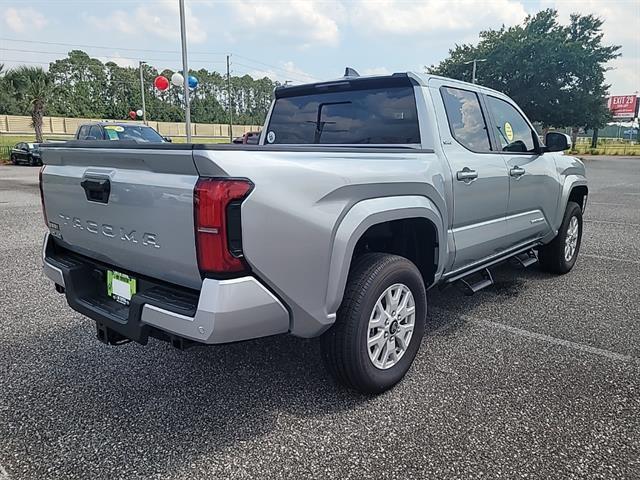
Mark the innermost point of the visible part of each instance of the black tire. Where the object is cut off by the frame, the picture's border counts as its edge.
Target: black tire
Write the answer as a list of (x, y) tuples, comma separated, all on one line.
[(32, 161), (552, 256), (14, 160), (344, 345)]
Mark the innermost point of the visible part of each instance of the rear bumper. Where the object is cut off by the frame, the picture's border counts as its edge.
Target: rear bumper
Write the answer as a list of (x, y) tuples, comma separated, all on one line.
[(222, 311)]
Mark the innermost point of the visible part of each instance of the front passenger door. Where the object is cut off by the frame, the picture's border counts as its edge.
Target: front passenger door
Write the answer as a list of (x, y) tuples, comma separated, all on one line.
[(480, 179), (533, 185)]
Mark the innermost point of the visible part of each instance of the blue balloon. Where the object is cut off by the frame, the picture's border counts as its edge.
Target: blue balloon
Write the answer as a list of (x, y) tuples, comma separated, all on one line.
[(193, 81)]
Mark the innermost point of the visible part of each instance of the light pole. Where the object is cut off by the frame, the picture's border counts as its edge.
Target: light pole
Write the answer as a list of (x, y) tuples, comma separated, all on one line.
[(185, 73), (144, 107), (475, 62)]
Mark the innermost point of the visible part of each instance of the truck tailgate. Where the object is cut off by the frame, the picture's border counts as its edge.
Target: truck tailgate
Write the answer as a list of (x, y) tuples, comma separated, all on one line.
[(130, 208)]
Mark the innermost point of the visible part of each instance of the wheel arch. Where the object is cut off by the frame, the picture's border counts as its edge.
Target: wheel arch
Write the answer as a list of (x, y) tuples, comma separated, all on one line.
[(573, 186), (368, 214)]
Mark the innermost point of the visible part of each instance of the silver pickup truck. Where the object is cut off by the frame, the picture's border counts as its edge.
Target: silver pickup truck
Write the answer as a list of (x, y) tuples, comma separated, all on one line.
[(363, 193)]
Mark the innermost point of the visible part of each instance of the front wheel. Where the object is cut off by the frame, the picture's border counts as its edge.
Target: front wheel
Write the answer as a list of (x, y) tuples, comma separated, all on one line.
[(379, 324), (561, 254), (14, 159)]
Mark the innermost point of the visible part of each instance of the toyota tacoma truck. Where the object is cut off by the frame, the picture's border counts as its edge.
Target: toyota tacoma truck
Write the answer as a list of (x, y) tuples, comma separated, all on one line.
[(362, 194)]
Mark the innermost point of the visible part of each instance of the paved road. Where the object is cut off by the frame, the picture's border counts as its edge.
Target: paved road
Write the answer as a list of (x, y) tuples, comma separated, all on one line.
[(536, 377)]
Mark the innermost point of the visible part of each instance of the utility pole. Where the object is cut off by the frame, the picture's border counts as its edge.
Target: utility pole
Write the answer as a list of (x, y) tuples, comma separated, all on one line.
[(475, 62), (144, 107), (230, 104), (185, 73)]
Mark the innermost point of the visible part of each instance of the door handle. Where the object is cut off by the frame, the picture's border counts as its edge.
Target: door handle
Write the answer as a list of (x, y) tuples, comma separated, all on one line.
[(517, 172), (466, 175)]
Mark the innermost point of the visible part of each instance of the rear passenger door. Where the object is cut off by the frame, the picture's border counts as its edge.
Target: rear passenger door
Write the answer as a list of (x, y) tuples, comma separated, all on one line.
[(533, 185), (480, 177)]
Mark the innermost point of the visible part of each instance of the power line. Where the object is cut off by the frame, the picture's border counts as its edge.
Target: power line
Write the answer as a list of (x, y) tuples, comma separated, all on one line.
[(103, 47), (275, 67), (286, 72), (113, 57), (201, 53)]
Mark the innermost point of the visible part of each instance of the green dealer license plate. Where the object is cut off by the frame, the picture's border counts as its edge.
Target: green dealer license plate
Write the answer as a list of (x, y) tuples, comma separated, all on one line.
[(120, 287)]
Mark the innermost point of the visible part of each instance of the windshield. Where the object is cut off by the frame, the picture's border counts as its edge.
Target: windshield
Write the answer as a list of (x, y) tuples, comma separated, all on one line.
[(369, 116), (138, 133)]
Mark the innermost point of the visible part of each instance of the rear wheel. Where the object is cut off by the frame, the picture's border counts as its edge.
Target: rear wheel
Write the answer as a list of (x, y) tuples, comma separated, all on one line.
[(32, 161), (561, 254), (379, 325)]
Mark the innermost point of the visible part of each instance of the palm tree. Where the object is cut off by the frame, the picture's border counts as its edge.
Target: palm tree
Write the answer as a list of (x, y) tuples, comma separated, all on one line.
[(32, 86)]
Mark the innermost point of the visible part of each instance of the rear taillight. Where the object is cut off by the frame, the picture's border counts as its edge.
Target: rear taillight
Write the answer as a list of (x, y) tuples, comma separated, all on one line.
[(217, 224), (44, 212)]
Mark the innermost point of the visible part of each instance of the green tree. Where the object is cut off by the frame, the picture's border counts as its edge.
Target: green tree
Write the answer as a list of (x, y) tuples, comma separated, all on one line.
[(554, 72), (32, 90), (81, 86)]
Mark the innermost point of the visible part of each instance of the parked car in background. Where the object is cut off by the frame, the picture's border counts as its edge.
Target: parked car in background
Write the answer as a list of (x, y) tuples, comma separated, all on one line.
[(119, 132), (249, 138), (27, 153)]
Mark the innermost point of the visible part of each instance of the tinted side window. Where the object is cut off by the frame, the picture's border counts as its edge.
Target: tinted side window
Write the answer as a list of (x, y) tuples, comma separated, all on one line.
[(465, 117), (83, 133), (511, 129), (370, 116), (95, 132)]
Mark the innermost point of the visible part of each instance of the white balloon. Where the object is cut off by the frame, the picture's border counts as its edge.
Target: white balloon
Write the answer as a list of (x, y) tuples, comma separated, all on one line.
[(140, 113), (177, 79)]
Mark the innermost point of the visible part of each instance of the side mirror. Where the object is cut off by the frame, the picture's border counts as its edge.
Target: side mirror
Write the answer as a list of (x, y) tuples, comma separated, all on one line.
[(557, 142), (167, 139)]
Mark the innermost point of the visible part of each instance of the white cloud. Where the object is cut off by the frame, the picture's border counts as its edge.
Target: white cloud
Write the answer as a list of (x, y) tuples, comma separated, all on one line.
[(376, 71), (160, 18), (624, 76), (21, 20), (286, 71), (118, 60), (305, 22), (433, 16), (621, 27)]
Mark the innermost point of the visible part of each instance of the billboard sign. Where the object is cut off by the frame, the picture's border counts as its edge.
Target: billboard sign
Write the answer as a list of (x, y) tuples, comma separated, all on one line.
[(623, 106)]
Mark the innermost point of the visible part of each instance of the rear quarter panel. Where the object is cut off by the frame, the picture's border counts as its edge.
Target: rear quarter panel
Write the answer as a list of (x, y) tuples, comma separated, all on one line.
[(290, 219)]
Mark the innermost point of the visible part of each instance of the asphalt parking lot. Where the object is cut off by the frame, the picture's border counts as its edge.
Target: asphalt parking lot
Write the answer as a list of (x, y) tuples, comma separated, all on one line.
[(535, 377)]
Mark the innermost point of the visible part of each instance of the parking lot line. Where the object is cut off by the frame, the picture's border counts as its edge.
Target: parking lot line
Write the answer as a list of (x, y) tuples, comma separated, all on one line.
[(533, 335), (608, 222), (615, 259), (554, 340), (609, 204)]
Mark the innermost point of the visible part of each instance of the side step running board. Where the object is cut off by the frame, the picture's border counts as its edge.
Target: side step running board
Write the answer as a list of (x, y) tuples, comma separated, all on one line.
[(475, 282), (526, 259)]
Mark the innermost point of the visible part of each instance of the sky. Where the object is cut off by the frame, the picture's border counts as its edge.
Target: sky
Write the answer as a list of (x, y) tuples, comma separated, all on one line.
[(296, 40)]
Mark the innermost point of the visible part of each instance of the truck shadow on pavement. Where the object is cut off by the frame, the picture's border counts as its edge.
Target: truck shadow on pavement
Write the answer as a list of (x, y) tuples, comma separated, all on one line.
[(74, 400)]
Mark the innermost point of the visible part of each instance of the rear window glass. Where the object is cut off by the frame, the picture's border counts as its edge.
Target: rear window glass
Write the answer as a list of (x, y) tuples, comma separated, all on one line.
[(372, 116)]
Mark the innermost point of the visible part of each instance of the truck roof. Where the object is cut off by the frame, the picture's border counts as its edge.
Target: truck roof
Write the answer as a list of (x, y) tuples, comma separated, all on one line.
[(420, 78)]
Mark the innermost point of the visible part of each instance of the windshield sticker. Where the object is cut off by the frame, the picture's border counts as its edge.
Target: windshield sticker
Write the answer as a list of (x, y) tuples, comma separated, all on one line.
[(117, 128), (271, 136), (112, 134), (508, 131)]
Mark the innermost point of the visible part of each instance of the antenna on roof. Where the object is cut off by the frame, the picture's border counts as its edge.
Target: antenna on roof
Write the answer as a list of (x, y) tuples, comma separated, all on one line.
[(350, 72)]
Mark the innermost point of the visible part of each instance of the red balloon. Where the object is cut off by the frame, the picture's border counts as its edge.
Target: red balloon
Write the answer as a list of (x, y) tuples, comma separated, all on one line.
[(161, 83), (133, 115)]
